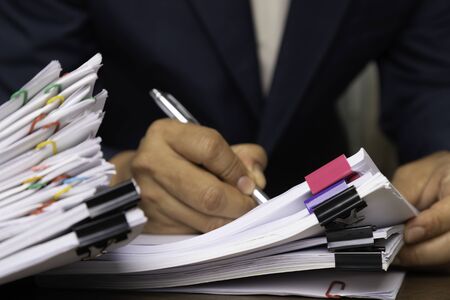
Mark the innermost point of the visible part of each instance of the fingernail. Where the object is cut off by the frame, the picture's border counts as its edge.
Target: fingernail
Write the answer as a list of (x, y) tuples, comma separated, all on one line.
[(259, 175), (246, 185), (414, 234)]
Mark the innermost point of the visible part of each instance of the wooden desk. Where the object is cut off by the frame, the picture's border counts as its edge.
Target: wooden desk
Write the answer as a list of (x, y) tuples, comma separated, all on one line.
[(416, 286)]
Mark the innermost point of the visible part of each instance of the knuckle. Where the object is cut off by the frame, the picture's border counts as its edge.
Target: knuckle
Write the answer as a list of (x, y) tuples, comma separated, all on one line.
[(149, 197), (212, 144), (231, 168), (157, 127), (141, 163), (212, 199), (434, 224)]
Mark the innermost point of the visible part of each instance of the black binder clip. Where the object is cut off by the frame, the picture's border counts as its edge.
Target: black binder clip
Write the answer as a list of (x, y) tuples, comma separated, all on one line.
[(114, 199), (354, 247), (341, 210), (361, 261), (350, 238), (97, 235)]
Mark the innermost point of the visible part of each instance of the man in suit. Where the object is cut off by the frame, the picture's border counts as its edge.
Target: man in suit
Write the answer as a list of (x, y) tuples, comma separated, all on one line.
[(265, 75)]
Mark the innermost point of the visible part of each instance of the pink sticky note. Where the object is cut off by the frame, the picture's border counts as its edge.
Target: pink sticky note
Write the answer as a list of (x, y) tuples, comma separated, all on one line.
[(330, 173)]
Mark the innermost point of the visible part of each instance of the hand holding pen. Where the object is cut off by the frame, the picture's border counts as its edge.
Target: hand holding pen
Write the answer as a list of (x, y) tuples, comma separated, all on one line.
[(176, 111), (191, 180)]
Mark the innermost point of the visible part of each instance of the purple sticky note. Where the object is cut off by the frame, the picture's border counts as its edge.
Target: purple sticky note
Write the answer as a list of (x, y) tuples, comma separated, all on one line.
[(325, 194)]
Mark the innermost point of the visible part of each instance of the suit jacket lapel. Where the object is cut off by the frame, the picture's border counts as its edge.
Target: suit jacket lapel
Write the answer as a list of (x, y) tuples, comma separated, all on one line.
[(309, 31), (230, 28)]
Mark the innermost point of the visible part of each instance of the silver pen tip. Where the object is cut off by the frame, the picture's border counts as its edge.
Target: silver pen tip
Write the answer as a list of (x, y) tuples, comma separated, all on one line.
[(259, 196)]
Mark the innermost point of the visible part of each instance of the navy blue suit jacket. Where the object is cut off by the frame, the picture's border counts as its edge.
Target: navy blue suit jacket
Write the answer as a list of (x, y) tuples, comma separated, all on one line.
[(203, 52)]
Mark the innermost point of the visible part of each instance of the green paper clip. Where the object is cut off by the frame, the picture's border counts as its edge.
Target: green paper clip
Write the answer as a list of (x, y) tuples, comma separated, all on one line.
[(51, 86), (21, 92), (36, 186)]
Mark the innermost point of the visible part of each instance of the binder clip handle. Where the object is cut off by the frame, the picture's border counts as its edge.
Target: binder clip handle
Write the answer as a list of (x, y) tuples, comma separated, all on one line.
[(341, 210)]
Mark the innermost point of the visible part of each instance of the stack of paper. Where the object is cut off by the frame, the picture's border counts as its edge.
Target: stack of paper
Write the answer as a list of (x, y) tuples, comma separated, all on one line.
[(51, 167), (346, 216), (318, 284)]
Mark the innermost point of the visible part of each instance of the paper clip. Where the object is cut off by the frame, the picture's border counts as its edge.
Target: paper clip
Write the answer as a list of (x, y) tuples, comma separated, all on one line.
[(48, 142), (50, 125), (58, 194), (51, 86), (330, 288), (59, 98), (32, 179), (61, 178), (74, 179), (41, 208), (36, 186), (37, 119), (38, 168), (21, 92)]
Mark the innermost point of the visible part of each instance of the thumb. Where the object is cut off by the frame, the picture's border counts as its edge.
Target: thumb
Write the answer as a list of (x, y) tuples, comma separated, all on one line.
[(254, 158)]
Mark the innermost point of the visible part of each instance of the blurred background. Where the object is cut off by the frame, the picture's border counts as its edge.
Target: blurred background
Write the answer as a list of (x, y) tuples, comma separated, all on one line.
[(358, 107)]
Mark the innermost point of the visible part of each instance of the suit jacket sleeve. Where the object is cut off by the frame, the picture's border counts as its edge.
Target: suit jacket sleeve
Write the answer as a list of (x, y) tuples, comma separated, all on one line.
[(35, 32), (415, 83)]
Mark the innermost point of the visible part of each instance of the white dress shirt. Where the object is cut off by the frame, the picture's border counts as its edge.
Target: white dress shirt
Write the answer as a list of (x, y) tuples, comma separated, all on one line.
[(269, 17)]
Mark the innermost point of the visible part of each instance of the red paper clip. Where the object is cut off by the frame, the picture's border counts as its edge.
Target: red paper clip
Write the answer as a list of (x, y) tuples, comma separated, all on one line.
[(60, 178), (37, 119), (330, 288), (49, 125)]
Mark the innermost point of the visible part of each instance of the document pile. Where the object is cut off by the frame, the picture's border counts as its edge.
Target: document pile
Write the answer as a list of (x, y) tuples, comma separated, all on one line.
[(345, 216), (51, 167)]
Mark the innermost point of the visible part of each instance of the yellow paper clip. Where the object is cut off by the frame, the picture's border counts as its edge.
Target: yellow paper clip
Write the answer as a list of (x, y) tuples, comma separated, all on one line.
[(32, 179), (59, 98), (48, 142), (58, 194)]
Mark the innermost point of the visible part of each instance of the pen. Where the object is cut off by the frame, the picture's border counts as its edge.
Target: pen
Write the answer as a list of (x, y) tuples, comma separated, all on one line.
[(174, 110)]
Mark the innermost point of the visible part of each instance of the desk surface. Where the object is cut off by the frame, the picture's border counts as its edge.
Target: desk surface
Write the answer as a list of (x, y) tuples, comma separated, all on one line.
[(416, 286)]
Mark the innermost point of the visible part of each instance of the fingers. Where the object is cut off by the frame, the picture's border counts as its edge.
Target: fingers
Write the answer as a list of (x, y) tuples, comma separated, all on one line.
[(204, 192), (427, 236), (202, 146), (158, 223), (254, 157), (410, 182), (444, 188), (122, 162), (411, 179), (192, 185), (437, 187), (190, 178), (167, 215), (430, 223), (433, 252)]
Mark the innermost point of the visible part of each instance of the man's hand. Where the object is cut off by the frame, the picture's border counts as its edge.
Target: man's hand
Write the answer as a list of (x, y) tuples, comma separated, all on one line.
[(426, 184), (191, 180)]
